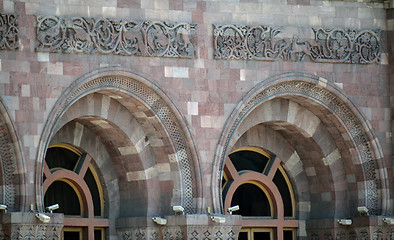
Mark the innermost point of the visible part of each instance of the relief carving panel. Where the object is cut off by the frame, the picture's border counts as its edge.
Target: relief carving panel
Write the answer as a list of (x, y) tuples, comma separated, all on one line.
[(115, 36), (270, 44), (9, 36)]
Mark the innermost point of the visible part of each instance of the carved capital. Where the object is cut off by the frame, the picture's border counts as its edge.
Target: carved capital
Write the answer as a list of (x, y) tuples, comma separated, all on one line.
[(115, 36)]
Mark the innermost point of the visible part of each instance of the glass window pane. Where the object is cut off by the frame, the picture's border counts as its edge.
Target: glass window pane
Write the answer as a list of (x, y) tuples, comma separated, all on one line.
[(288, 235), (243, 236), (252, 201), (63, 194), (58, 157), (71, 235), (98, 234), (283, 187), (261, 236), (92, 184), (249, 160)]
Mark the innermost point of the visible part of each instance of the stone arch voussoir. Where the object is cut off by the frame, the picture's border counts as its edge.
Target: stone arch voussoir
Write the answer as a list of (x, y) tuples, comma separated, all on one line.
[(327, 96), (123, 82)]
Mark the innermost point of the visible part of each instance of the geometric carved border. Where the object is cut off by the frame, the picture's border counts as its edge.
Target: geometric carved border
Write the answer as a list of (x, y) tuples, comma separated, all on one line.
[(158, 105), (8, 161), (9, 36), (8, 158), (115, 36), (39, 231), (268, 43), (335, 105), (192, 232)]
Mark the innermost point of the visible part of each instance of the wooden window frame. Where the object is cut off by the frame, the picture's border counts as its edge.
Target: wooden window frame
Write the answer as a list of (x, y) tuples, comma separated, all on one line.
[(264, 180), (76, 180)]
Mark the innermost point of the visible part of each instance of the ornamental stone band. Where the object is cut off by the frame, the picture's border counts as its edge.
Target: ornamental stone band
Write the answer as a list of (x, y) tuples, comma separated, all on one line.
[(115, 36), (295, 44)]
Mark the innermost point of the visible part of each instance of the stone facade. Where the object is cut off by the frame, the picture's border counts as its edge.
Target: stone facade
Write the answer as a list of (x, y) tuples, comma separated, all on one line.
[(158, 93)]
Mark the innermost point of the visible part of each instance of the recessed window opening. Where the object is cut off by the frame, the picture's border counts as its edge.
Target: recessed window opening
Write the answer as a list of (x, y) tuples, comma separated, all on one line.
[(256, 181), (71, 181)]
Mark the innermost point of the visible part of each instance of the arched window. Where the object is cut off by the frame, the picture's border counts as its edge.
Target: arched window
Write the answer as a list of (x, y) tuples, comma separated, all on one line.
[(71, 181), (256, 181)]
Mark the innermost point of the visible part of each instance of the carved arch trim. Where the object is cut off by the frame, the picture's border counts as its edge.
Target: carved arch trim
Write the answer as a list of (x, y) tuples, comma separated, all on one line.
[(126, 82), (12, 166), (328, 96)]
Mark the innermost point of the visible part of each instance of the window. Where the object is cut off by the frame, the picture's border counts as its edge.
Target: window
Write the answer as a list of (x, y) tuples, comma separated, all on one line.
[(71, 181), (256, 181)]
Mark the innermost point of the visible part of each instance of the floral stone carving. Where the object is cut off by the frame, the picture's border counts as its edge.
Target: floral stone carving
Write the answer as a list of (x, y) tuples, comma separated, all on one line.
[(268, 43), (9, 37), (115, 36)]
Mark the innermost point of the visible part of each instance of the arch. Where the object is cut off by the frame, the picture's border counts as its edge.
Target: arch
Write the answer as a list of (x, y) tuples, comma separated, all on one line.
[(12, 166), (322, 98), (118, 82)]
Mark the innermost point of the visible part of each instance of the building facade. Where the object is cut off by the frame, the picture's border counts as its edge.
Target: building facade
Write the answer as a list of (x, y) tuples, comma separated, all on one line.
[(177, 119)]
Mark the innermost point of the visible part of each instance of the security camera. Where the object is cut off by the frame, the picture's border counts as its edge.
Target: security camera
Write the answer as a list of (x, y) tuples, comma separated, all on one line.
[(43, 218), (233, 209), (178, 209), (52, 207), (3, 207), (389, 221), (362, 210), (218, 219), (159, 220), (345, 222)]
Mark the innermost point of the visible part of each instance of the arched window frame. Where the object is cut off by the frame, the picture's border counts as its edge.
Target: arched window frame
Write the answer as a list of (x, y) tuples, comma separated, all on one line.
[(75, 179), (233, 179)]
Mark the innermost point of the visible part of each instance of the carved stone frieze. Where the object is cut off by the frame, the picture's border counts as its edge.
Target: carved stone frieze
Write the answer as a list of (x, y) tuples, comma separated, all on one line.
[(268, 43), (115, 36), (178, 227), (9, 36), (25, 225), (359, 233), (28, 231)]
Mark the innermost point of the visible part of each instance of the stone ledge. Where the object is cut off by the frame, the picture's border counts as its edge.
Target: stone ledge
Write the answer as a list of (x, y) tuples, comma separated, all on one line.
[(193, 226), (362, 227)]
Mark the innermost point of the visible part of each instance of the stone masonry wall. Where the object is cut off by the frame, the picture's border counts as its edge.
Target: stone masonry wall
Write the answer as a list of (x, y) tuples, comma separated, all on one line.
[(203, 88)]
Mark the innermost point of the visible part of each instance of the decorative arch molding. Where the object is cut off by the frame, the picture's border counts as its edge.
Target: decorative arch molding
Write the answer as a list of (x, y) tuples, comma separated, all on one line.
[(326, 95), (125, 82), (11, 162)]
